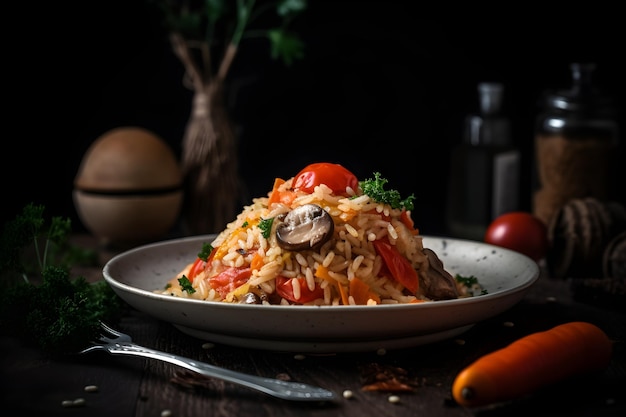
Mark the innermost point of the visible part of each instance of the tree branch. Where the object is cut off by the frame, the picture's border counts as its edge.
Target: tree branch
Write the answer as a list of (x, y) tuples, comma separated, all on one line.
[(229, 56), (179, 46)]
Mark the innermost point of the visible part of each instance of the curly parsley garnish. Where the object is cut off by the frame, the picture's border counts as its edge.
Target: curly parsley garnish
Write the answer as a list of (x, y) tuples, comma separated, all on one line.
[(469, 282), (375, 188), (266, 227)]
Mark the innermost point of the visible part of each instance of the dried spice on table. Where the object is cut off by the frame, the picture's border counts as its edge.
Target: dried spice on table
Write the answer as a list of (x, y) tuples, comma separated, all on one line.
[(386, 378)]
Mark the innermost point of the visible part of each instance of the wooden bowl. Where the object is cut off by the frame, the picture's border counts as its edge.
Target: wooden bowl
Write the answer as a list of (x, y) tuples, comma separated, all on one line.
[(128, 188)]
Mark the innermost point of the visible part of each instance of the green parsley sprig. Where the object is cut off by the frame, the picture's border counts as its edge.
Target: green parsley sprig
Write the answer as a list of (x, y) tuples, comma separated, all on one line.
[(40, 303), (375, 188)]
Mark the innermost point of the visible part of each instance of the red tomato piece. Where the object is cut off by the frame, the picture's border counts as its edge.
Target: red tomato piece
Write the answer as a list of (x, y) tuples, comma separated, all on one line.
[(399, 266), (229, 279), (284, 288), (519, 231), (197, 267), (335, 176)]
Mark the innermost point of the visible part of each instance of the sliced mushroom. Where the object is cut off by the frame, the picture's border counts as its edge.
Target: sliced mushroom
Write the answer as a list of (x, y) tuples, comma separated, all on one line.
[(305, 227), (255, 296), (437, 283), (250, 298)]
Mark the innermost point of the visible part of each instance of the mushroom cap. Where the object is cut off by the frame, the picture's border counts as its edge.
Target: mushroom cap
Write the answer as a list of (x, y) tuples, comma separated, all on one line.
[(305, 227)]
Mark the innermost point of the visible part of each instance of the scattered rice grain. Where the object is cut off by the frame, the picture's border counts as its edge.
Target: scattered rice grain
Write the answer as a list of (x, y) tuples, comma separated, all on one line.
[(166, 413), (91, 388), (299, 356), (393, 399), (208, 345), (347, 394), (79, 402), (508, 324)]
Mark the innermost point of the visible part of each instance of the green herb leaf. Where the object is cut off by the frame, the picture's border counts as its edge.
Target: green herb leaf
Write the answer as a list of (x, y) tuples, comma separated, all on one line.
[(375, 188), (185, 284), (266, 227), (204, 254), (46, 308), (467, 281), (285, 46)]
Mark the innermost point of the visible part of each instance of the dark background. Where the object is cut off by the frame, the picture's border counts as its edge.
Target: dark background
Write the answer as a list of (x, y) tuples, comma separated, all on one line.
[(383, 87)]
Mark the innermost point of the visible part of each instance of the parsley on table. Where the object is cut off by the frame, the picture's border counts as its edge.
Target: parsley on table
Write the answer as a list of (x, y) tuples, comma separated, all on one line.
[(40, 303)]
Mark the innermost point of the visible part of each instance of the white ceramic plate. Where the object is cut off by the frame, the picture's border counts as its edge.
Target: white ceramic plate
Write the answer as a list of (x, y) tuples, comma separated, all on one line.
[(506, 275)]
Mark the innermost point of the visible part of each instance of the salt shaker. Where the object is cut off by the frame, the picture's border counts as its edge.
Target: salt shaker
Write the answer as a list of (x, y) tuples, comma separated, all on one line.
[(484, 168)]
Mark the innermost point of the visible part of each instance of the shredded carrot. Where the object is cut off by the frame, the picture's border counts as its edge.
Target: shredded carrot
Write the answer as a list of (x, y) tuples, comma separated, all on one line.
[(257, 262), (361, 292), (285, 197), (343, 293), (275, 195), (322, 272), (230, 241)]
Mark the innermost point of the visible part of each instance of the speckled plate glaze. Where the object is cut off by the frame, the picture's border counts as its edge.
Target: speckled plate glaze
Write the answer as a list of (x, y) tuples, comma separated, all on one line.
[(506, 275)]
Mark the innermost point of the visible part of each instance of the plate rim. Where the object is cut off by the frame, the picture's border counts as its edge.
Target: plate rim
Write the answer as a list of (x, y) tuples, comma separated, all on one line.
[(155, 304)]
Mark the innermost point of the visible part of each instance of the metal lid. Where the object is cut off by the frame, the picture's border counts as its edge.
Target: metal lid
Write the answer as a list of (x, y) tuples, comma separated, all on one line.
[(582, 96)]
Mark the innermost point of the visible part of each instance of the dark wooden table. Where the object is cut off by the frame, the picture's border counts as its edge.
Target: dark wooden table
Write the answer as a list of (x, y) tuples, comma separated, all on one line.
[(128, 386)]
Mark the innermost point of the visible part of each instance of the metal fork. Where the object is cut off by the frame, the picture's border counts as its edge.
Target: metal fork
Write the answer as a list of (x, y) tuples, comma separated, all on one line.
[(118, 343)]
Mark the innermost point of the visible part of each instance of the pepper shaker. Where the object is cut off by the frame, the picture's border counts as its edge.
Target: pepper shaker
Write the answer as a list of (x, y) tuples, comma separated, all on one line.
[(576, 134)]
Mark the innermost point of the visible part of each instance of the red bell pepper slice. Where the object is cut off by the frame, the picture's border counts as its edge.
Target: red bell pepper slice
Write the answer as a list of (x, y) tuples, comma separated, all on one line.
[(400, 268)]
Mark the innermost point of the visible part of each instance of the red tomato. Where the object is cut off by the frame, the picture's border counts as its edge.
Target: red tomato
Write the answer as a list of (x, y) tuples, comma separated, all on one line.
[(229, 279), (519, 231), (197, 267), (284, 288), (335, 176), (399, 266)]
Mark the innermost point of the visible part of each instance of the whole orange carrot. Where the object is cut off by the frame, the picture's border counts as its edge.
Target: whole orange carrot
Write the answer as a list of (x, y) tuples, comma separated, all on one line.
[(532, 362)]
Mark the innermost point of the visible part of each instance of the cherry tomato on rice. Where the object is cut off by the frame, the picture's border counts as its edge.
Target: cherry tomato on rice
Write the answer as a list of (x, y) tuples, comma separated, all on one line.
[(519, 231), (335, 176)]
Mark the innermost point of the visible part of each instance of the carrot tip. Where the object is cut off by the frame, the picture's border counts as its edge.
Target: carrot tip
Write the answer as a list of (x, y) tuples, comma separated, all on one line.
[(468, 393)]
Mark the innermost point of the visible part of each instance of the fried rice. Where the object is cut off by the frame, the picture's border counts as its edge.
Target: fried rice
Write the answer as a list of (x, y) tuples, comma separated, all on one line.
[(248, 263)]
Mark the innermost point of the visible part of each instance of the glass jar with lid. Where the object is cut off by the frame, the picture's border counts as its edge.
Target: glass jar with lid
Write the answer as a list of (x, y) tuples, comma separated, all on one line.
[(576, 135)]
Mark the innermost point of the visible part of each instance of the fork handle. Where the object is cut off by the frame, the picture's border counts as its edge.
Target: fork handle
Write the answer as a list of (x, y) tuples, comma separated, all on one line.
[(286, 390)]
